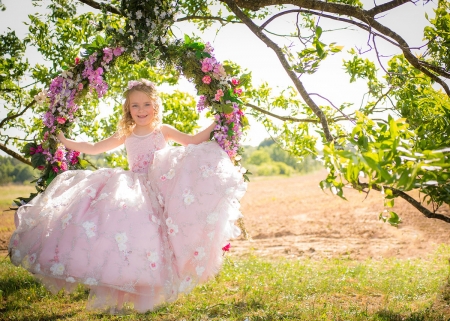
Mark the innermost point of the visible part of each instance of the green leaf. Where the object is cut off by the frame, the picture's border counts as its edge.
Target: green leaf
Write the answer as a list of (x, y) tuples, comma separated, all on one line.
[(38, 160), (227, 108)]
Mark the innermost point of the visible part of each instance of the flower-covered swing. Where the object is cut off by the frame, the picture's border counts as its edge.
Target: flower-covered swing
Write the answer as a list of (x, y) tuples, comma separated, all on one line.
[(144, 36)]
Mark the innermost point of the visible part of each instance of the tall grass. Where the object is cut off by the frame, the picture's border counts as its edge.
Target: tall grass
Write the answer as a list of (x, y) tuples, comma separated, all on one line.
[(256, 289)]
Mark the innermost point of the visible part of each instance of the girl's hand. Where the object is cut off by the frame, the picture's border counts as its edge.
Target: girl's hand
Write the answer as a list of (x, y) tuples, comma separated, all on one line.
[(60, 136)]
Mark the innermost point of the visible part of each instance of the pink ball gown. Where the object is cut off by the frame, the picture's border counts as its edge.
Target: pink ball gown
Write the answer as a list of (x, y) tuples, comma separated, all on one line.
[(139, 237)]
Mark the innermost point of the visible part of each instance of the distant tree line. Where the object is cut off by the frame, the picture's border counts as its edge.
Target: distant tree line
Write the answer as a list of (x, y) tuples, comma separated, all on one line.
[(14, 171), (268, 159)]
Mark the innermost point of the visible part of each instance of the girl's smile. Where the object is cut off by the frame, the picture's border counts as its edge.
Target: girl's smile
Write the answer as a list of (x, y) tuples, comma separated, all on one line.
[(141, 110)]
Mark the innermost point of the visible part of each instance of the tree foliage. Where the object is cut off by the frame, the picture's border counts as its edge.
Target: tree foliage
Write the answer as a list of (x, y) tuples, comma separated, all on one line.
[(395, 141)]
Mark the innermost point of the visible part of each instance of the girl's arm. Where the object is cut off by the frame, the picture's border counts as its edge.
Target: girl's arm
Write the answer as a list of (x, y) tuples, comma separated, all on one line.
[(92, 148), (170, 133)]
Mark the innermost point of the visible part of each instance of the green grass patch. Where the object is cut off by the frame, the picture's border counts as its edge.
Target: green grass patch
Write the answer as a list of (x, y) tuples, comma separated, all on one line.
[(255, 289)]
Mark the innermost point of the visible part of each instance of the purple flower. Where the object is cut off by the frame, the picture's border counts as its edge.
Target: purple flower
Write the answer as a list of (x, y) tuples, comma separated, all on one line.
[(49, 119)]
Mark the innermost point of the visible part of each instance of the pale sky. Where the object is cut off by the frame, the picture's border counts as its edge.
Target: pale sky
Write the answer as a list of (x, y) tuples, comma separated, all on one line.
[(238, 44)]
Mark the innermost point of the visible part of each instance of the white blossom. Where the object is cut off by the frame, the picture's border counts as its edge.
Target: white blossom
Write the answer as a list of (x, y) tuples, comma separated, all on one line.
[(57, 269), (90, 281)]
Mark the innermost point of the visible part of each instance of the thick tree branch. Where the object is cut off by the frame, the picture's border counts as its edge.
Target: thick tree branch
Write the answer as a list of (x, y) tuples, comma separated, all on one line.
[(284, 118), (409, 199), (14, 154), (366, 16), (386, 7), (298, 84), (98, 6), (6, 119)]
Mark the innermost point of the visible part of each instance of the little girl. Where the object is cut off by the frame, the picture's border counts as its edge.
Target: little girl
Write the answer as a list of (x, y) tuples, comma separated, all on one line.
[(137, 237)]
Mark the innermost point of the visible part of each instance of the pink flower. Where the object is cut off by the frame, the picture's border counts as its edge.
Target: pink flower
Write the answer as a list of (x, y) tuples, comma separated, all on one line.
[(59, 154), (41, 167), (80, 86), (235, 81), (118, 51), (60, 120), (206, 80), (238, 91), (63, 166), (226, 248), (77, 60), (219, 94), (32, 150), (55, 169)]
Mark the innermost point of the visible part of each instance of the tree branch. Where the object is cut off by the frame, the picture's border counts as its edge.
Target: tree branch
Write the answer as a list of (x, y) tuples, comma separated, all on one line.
[(284, 118), (14, 154), (99, 6), (4, 120), (207, 18), (298, 84), (386, 7), (409, 199), (366, 16)]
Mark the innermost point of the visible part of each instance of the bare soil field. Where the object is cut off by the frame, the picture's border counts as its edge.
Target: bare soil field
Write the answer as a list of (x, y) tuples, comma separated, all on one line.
[(293, 218)]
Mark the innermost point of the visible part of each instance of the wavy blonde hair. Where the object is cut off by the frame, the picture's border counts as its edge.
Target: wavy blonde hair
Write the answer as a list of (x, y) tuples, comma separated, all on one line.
[(126, 123)]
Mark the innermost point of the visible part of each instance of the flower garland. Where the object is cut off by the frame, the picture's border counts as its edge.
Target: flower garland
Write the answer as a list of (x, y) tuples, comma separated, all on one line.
[(49, 156), (229, 116)]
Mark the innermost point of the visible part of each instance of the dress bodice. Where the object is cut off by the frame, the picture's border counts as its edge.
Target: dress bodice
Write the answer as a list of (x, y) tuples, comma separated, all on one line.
[(141, 149)]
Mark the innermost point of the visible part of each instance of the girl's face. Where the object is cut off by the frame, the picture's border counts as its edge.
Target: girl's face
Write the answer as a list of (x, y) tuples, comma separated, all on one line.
[(141, 108)]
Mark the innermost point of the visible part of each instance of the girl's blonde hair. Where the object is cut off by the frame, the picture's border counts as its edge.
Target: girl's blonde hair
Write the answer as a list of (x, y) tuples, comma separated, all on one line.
[(126, 123)]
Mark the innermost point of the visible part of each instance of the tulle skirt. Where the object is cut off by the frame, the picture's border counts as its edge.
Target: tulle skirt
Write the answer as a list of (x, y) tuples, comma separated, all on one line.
[(133, 238)]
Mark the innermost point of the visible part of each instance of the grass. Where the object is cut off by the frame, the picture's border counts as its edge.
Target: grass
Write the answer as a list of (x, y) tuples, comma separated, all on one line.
[(255, 289)]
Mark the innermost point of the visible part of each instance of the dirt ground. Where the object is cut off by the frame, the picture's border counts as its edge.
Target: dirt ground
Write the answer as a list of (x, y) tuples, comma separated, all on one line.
[(293, 218)]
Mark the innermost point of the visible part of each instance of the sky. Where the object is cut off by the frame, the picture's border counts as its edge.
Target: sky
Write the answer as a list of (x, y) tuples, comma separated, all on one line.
[(238, 44)]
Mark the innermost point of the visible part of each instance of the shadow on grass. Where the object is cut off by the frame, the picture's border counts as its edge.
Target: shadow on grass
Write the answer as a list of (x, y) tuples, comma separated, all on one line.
[(13, 284), (426, 315)]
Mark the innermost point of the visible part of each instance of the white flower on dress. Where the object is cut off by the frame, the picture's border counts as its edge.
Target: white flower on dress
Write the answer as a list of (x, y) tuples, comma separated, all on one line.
[(212, 218), (199, 253), (170, 174), (90, 191), (172, 229), (37, 268), (30, 222), (90, 228), (65, 220), (57, 269), (188, 197), (121, 239), (211, 235), (152, 256), (70, 279), (200, 270), (206, 171), (90, 281), (32, 258), (185, 285)]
